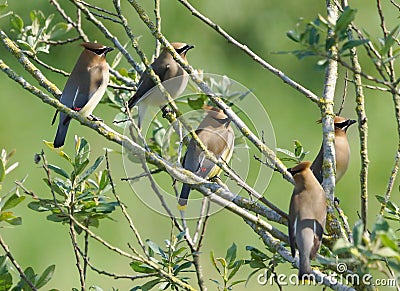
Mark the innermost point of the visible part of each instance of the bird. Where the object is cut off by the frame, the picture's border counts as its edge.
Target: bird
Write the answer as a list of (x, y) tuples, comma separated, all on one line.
[(342, 150), (171, 74), (85, 86), (217, 135), (307, 216)]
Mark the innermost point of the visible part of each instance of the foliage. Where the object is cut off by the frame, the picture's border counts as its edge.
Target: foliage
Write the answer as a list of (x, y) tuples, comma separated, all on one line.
[(76, 192), (261, 261), (296, 156), (227, 268), (6, 281), (315, 38), (370, 252), (173, 259), (34, 38), (12, 198)]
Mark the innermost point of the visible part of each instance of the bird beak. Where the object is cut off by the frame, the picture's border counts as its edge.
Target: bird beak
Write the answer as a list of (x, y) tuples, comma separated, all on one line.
[(351, 121), (108, 49)]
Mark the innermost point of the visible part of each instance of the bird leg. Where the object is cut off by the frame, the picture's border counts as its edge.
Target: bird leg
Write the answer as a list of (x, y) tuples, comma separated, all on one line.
[(166, 111)]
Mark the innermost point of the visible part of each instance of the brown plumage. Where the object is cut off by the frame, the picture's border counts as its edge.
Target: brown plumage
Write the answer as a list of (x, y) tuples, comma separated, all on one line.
[(85, 86), (171, 74), (218, 137), (342, 150), (307, 215)]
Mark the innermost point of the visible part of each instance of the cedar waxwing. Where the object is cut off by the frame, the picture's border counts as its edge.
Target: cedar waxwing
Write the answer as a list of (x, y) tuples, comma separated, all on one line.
[(167, 69), (307, 215), (218, 137), (85, 86), (342, 150)]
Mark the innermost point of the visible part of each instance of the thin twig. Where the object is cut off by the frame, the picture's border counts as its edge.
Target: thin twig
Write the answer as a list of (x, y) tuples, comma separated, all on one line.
[(343, 217), (62, 42), (392, 179), (156, 171), (313, 97), (15, 263), (344, 94), (76, 25), (362, 128), (157, 15), (123, 208), (98, 8)]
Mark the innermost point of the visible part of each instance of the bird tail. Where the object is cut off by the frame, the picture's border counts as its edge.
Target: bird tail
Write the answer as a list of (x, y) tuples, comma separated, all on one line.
[(304, 266), (183, 198), (61, 131)]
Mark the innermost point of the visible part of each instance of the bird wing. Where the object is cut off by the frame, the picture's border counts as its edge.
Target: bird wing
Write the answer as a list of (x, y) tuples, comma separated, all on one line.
[(293, 217), (88, 86), (316, 166), (146, 83)]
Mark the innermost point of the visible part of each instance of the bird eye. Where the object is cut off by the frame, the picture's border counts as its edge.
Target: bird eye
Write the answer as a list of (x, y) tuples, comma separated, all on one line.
[(342, 124), (183, 49), (99, 51)]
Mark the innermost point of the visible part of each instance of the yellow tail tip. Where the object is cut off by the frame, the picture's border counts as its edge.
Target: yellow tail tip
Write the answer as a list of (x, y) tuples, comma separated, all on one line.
[(182, 207), (50, 145)]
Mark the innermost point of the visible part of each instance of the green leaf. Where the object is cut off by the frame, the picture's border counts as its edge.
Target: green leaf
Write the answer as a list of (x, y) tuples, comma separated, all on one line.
[(358, 232), (155, 247), (3, 6), (59, 171), (2, 171), (237, 282), (222, 262), (59, 29), (342, 246), (178, 251), (236, 267), (149, 285), (38, 206), (104, 179), (231, 254), (196, 104), (141, 267), (45, 277), (293, 35), (16, 22), (182, 267), (96, 288), (11, 168), (387, 252), (13, 201), (389, 41), (388, 242), (93, 168), (79, 169), (5, 281), (353, 43), (214, 262), (82, 150), (345, 19)]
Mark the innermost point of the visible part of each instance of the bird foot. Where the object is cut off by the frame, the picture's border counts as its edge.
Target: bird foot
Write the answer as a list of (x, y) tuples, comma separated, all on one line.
[(94, 118)]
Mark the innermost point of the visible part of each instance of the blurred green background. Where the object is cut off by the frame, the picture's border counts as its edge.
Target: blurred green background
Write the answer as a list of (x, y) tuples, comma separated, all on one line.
[(261, 25)]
